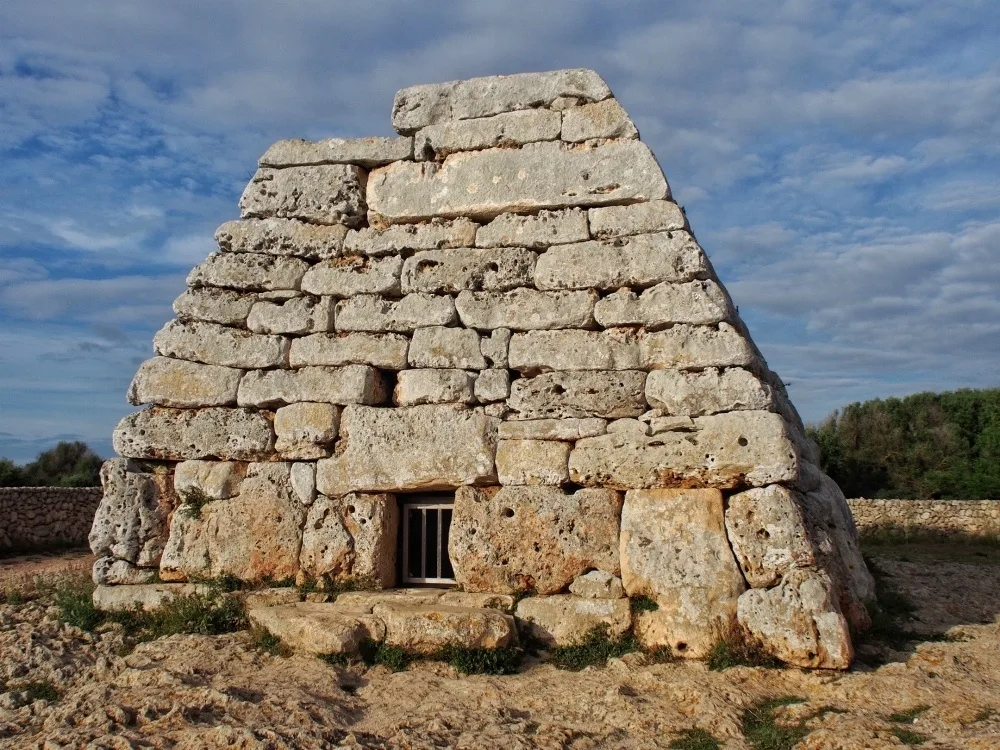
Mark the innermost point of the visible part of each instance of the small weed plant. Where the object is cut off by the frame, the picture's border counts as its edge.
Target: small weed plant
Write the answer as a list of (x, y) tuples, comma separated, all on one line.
[(595, 649), (395, 658), (738, 648), (40, 690), (762, 730), (264, 640), (643, 604), (908, 716), (909, 737), (482, 660), (695, 739), (193, 500)]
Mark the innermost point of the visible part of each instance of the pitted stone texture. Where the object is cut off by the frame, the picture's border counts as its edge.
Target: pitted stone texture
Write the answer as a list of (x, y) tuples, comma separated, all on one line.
[(282, 237), (306, 430), (628, 426), (534, 231), (492, 385), (215, 480), (696, 302), (495, 347), (434, 386), (517, 539), (674, 550), (617, 393), (351, 384), (687, 347), (547, 351), (302, 477), (327, 194), (453, 270), (604, 119), (527, 309), (553, 429), (419, 106), (426, 629), (565, 620), (213, 344), (506, 129), (131, 521), (179, 434), (148, 597), (640, 261), (365, 152), (376, 314), (728, 451), (174, 382), (404, 238), (214, 305), (637, 218), (799, 621), (598, 585), (659, 424), (413, 448), (366, 601), (248, 272), (532, 462), (438, 346), (296, 315), (316, 627), (386, 351), (354, 274), (108, 571), (706, 392)]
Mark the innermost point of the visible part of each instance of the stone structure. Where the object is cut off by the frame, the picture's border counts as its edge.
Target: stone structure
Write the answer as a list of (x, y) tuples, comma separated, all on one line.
[(496, 330), (38, 518), (944, 518)]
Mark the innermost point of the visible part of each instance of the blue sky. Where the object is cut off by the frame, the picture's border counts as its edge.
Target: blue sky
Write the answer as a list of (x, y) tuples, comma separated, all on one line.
[(839, 162)]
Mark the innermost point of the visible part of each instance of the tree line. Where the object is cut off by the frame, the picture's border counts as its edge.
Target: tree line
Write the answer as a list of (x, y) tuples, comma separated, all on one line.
[(69, 464)]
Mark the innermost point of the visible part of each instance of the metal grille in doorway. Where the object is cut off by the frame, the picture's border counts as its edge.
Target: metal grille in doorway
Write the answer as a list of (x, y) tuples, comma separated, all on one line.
[(426, 525)]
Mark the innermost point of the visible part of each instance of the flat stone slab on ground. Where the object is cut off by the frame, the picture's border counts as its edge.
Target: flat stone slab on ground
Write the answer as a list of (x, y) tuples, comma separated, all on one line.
[(318, 627), (426, 629), (148, 596), (565, 620)]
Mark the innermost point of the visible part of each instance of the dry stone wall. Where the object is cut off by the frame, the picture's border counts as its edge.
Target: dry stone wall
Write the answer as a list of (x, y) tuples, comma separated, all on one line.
[(973, 518), (36, 518)]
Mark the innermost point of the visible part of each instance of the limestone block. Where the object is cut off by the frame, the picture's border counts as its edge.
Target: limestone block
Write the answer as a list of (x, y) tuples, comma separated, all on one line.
[(350, 384), (617, 393), (147, 597), (636, 218), (513, 539), (365, 152), (327, 194), (174, 382), (438, 346), (376, 314), (426, 629), (412, 448), (495, 347), (505, 602), (799, 621), (535, 231), (598, 585), (565, 620), (453, 270), (248, 272), (275, 596), (305, 430), (553, 429), (687, 347), (706, 392), (386, 351), (506, 129), (214, 305), (604, 119), (295, 315), (546, 351), (526, 309), (728, 451), (436, 386), (213, 344), (401, 238), (216, 480), (640, 261), (532, 462), (108, 571), (282, 237), (302, 477), (674, 550), (352, 537), (316, 627), (485, 184), (179, 434), (697, 302), (354, 274), (670, 424), (419, 106), (492, 385), (366, 601)]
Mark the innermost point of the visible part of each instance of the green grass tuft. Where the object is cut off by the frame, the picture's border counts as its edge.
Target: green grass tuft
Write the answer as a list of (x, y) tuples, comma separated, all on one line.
[(738, 648), (264, 640), (75, 600), (40, 690), (395, 658), (695, 739), (907, 716), (910, 737), (482, 660), (596, 648), (761, 730), (643, 604), (192, 502)]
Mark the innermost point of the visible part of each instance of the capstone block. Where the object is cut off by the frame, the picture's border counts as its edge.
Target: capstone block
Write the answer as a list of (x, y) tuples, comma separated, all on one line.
[(507, 129)]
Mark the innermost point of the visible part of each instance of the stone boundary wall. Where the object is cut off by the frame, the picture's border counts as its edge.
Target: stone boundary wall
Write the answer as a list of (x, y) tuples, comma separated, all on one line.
[(936, 517), (35, 518)]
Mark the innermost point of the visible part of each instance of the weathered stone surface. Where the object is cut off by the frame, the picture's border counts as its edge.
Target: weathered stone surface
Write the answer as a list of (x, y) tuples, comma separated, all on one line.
[(697, 302), (433, 386), (546, 351), (302, 477), (148, 597), (618, 393), (628, 426), (419, 106), (553, 429), (640, 261), (295, 315), (604, 119), (270, 597), (438, 346), (492, 385), (213, 344), (738, 449), (401, 238), (495, 346), (598, 585), (684, 347), (485, 184), (526, 309), (131, 521), (674, 550), (507, 129), (179, 434), (174, 382), (536, 231), (354, 274), (637, 218), (386, 351), (305, 430), (365, 152), (214, 305), (351, 384), (108, 571), (327, 194), (799, 621), (706, 392), (248, 272), (316, 627), (215, 480), (565, 620), (670, 424), (412, 448), (376, 314), (282, 237), (453, 270), (366, 601), (426, 629), (532, 462), (538, 539)]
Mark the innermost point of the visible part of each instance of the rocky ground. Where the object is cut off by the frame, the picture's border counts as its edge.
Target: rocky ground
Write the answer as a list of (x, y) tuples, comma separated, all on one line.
[(189, 691)]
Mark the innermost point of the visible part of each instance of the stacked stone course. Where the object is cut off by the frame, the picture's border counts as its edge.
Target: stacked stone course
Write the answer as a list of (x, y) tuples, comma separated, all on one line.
[(38, 518)]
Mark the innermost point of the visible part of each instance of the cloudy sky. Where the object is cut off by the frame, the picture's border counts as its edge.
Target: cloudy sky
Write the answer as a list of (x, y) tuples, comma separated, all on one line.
[(839, 164)]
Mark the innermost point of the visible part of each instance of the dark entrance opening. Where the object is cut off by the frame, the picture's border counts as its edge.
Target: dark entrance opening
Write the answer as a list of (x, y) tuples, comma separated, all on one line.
[(426, 524)]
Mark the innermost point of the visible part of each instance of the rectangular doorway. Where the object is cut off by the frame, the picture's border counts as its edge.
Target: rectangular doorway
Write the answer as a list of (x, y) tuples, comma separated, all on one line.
[(425, 529)]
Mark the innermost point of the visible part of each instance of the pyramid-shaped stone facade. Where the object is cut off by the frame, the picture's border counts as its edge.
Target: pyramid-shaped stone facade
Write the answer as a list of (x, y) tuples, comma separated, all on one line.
[(504, 306)]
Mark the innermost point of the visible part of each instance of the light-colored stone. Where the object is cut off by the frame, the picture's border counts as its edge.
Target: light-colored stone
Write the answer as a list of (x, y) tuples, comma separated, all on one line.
[(617, 393), (366, 601), (148, 597), (706, 392), (604, 119), (485, 184), (426, 629), (327, 546), (386, 351), (670, 424), (326, 194), (175, 382), (248, 272), (282, 237), (453, 270), (687, 347), (350, 384), (506, 129), (674, 551), (131, 520), (492, 385), (354, 274), (526, 309), (636, 218), (696, 302), (598, 585), (213, 344), (179, 434), (438, 346), (215, 480), (628, 426), (413, 448), (365, 152), (433, 386), (302, 477), (271, 597), (376, 314), (495, 347), (553, 429), (316, 627), (535, 231), (214, 305), (305, 430), (565, 620), (517, 539), (108, 571), (532, 462), (546, 351), (401, 238), (505, 602), (295, 315)]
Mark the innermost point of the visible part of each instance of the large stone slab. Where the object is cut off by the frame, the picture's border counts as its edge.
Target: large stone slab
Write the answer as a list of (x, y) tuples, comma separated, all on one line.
[(179, 434), (426, 629), (485, 184), (507, 129), (520, 539), (708, 391), (376, 314), (327, 194), (535, 231), (546, 351), (598, 585), (131, 520), (248, 272), (148, 597), (386, 351), (317, 628), (174, 382), (613, 394), (215, 480), (296, 315), (111, 572), (213, 344), (412, 448), (350, 384), (604, 119), (438, 346), (400, 238), (453, 270), (214, 305), (533, 462), (696, 302), (565, 620), (553, 429), (306, 430), (637, 218), (434, 386), (282, 237), (728, 451), (674, 550), (354, 274), (365, 152), (526, 309), (687, 347)]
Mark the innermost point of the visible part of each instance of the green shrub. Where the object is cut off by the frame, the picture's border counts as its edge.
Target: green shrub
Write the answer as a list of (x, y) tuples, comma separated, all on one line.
[(762, 731), (75, 600), (596, 648), (643, 604), (695, 739), (482, 660), (193, 500), (738, 648), (393, 657), (264, 640)]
